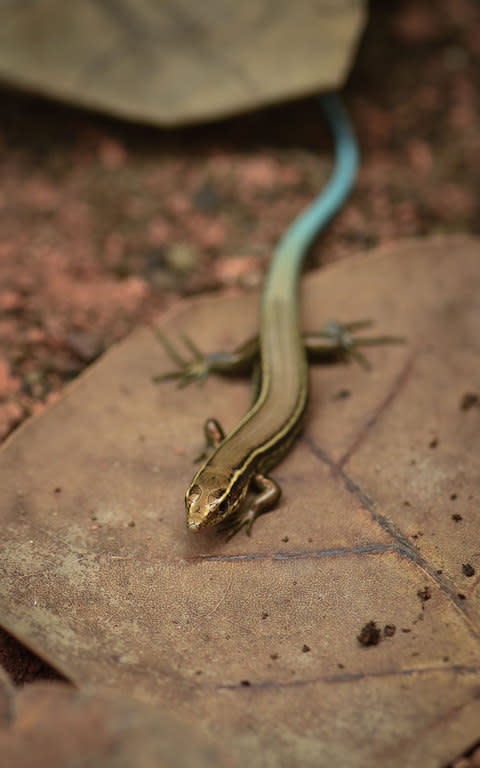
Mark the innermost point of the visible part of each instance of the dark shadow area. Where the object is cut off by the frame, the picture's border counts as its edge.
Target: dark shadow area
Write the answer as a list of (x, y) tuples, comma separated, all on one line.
[(21, 664)]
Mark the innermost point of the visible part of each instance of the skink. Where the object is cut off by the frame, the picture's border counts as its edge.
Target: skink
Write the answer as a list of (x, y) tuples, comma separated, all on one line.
[(238, 462)]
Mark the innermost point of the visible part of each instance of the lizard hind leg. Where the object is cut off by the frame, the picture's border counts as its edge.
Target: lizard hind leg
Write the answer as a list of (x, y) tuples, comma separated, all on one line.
[(339, 341)]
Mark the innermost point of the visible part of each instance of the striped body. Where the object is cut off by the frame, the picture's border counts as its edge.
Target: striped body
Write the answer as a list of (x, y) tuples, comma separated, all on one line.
[(266, 432)]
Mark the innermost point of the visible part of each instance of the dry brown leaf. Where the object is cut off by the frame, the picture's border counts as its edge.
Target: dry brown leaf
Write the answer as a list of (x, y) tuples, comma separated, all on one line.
[(257, 639), (173, 62), (51, 724)]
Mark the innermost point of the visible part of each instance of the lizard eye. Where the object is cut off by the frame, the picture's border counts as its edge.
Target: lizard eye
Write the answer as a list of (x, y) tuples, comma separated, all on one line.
[(223, 507), (194, 493), (213, 499)]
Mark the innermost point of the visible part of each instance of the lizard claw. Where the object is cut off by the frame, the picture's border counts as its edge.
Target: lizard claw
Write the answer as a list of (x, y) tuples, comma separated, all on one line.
[(348, 344), (195, 369)]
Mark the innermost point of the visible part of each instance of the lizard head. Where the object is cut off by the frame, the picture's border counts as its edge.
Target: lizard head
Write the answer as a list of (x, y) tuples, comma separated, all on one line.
[(210, 499)]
